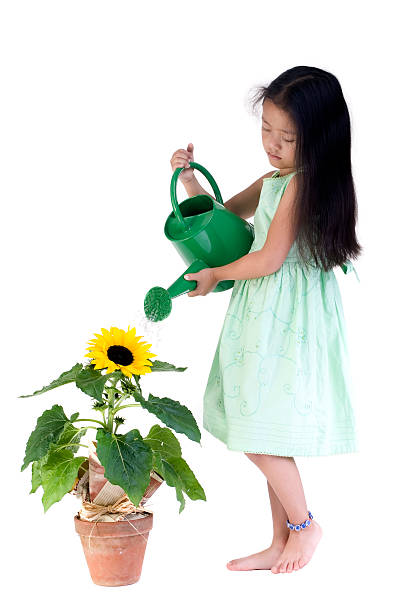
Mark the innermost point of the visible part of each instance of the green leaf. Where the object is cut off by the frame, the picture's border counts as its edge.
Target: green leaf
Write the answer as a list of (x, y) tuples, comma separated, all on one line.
[(36, 474), (164, 366), (92, 382), (164, 441), (171, 413), (191, 486), (167, 471), (70, 438), (48, 429), (65, 378), (178, 474), (127, 460), (58, 475)]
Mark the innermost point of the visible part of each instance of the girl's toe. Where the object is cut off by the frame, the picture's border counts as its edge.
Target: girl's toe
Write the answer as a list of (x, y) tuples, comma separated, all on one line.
[(289, 566), (295, 565)]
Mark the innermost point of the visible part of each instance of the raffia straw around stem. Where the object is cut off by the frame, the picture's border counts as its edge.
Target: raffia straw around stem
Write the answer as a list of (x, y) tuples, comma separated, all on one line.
[(92, 512)]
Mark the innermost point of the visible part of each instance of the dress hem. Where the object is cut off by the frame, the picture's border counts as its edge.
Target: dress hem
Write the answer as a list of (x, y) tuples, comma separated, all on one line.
[(349, 447)]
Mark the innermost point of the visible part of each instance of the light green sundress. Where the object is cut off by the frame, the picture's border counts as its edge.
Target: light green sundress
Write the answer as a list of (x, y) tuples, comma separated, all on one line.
[(280, 381)]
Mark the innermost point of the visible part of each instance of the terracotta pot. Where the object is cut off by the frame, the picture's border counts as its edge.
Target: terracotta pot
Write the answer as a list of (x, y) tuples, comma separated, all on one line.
[(115, 551)]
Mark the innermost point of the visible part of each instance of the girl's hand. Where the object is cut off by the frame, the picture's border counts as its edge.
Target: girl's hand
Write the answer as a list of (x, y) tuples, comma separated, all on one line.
[(206, 281), (181, 159)]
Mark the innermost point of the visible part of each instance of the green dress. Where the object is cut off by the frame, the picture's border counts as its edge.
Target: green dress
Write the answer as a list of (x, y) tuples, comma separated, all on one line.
[(280, 381)]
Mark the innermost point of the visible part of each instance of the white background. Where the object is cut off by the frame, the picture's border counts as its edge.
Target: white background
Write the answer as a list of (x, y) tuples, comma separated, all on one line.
[(96, 97)]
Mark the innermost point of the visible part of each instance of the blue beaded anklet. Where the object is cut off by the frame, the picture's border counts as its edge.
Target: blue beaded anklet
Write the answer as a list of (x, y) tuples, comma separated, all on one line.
[(301, 525)]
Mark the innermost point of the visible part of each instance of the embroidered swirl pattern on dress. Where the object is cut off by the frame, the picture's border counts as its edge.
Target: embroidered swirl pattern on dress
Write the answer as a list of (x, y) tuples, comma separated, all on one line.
[(280, 369)]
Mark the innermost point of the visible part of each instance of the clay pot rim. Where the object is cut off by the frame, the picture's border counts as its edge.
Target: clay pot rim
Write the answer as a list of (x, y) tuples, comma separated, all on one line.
[(117, 529)]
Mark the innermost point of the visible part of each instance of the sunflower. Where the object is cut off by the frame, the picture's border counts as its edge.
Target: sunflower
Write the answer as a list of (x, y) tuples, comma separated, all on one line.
[(120, 350)]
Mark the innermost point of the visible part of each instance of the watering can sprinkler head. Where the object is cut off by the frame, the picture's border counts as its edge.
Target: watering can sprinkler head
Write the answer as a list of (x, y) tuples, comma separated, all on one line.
[(206, 234), (157, 304), (158, 301)]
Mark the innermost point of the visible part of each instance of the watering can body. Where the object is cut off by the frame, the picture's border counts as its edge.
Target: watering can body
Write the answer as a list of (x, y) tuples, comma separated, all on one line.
[(205, 234), (213, 237)]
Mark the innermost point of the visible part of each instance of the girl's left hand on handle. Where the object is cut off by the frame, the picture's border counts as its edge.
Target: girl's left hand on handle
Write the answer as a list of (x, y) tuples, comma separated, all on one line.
[(206, 281)]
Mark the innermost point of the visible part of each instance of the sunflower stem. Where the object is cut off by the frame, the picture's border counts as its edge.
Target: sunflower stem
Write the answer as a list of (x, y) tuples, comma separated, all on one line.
[(92, 421), (115, 379), (119, 401), (67, 445), (110, 420), (126, 406)]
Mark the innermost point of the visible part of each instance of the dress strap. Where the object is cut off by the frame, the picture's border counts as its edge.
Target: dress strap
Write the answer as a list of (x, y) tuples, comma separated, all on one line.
[(349, 267), (277, 174)]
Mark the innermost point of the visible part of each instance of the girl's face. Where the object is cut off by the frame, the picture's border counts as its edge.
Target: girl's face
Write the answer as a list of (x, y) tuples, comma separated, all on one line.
[(278, 137)]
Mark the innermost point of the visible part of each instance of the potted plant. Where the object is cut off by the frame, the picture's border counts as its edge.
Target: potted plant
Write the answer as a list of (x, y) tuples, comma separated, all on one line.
[(121, 470)]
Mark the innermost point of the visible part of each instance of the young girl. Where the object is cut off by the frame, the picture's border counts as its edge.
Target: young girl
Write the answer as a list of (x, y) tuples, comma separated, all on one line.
[(279, 385)]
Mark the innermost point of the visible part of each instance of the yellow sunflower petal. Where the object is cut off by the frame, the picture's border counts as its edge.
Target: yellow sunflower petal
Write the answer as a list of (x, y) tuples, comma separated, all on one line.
[(97, 350)]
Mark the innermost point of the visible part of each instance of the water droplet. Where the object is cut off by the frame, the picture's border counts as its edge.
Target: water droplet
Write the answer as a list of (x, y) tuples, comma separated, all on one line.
[(151, 330)]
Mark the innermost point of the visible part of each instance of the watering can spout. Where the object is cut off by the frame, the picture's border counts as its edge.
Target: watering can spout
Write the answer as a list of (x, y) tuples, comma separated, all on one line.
[(181, 285), (158, 301)]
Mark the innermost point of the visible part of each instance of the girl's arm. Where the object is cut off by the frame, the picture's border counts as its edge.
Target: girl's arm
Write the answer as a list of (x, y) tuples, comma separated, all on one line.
[(279, 240), (243, 204)]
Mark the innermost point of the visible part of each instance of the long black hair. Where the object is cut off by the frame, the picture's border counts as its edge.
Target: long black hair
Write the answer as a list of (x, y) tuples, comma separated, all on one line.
[(325, 212)]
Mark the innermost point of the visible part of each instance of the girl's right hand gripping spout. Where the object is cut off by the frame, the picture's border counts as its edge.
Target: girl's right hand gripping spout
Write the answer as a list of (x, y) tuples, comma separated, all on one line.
[(181, 159)]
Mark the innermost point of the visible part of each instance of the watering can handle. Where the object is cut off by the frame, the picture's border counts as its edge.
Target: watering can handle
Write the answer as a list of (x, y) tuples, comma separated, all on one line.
[(173, 189)]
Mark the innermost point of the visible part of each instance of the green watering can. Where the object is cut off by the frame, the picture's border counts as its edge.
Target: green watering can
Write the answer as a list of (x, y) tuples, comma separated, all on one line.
[(206, 235)]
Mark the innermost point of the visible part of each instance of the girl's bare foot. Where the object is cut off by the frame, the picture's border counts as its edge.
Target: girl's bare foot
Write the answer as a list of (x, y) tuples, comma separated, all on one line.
[(299, 549), (261, 560)]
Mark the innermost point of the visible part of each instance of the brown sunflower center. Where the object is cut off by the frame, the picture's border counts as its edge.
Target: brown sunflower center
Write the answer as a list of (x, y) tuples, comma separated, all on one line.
[(120, 355)]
